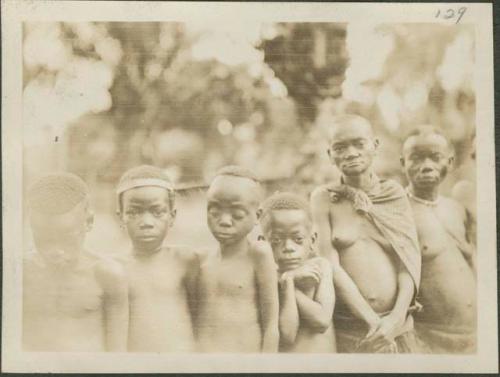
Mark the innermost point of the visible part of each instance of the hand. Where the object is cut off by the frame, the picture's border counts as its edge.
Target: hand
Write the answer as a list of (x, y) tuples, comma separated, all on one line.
[(307, 276), (285, 280), (385, 331), (333, 194)]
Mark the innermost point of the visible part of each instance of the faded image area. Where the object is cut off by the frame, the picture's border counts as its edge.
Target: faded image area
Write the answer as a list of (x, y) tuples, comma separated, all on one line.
[(311, 187)]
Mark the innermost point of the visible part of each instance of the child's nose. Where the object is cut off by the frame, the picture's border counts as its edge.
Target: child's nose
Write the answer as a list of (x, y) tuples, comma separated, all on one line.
[(225, 220), (289, 247), (146, 220)]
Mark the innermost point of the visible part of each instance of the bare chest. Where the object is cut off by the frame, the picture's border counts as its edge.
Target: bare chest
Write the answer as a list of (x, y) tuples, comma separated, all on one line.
[(235, 278), (165, 277), (348, 227), (75, 294), (438, 228)]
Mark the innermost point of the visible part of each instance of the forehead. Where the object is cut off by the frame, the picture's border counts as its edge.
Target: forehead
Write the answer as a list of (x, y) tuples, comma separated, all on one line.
[(431, 141), (145, 195), (351, 130), (69, 219), (288, 219), (232, 189)]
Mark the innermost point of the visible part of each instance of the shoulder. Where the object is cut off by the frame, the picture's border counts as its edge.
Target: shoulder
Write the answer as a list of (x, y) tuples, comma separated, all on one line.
[(320, 262), (191, 256), (260, 250), (107, 269), (462, 188), (453, 206), (320, 194), (464, 191), (392, 185)]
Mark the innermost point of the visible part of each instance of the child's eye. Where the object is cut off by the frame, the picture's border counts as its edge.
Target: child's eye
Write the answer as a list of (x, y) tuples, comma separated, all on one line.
[(298, 240), (213, 211), (436, 157), (275, 240), (158, 212), (359, 144), (238, 215), (132, 212)]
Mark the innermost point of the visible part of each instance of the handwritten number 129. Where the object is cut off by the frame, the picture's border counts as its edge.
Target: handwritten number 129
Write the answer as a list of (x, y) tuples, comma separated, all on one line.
[(451, 13)]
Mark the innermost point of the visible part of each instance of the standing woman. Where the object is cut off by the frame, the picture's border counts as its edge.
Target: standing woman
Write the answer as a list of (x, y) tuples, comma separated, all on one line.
[(366, 229)]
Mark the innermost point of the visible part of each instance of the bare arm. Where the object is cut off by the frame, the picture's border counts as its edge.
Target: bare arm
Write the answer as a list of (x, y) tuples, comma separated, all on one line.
[(406, 291), (289, 315), (318, 312), (206, 295), (116, 310), (344, 285), (194, 262), (390, 324), (267, 284)]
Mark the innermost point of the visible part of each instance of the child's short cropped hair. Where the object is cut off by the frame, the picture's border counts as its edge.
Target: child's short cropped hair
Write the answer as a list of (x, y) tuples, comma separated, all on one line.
[(285, 200), (237, 171), (57, 193), (142, 176)]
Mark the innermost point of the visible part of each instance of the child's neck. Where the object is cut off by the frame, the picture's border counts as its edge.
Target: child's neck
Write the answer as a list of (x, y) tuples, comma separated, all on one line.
[(146, 253), (234, 249)]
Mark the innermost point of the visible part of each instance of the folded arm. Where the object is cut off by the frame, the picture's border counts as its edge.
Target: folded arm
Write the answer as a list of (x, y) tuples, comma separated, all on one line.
[(289, 315), (317, 312)]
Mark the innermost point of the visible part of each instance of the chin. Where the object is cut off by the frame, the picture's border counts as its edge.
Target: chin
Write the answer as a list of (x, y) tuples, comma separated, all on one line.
[(353, 171), (149, 244), (427, 183)]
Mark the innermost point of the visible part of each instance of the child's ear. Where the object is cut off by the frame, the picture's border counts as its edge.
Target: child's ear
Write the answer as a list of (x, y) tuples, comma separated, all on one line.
[(314, 237), (451, 160), (259, 213), (402, 161), (173, 214)]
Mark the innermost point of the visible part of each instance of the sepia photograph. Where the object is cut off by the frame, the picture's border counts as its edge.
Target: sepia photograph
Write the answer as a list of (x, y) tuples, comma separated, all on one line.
[(216, 188)]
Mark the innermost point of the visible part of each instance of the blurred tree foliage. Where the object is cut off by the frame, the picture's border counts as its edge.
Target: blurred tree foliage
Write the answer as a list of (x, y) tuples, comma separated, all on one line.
[(158, 87), (155, 103), (310, 59)]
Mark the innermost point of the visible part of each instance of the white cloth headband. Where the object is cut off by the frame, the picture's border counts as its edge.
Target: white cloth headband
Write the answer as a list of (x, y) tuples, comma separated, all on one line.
[(141, 182)]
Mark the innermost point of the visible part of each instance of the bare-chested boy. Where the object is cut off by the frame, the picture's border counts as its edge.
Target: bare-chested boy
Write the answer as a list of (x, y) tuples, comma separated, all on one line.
[(162, 279), (447, 323), (73, 300), (239, 287), (306, 292), (366, 229)]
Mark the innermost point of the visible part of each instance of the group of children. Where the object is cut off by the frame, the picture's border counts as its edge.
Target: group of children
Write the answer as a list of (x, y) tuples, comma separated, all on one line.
[(267, 295)]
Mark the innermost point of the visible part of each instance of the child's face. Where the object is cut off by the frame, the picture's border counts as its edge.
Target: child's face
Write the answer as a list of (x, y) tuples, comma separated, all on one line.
[(147, 215), (289, 233), (61, 237), (426, 160), (232, 208)]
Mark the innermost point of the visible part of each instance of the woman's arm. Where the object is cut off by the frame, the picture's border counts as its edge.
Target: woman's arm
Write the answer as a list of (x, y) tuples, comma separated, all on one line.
[(345, 287)]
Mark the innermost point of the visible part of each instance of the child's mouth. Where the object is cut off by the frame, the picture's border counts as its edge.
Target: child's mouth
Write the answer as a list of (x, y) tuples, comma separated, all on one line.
[(146, 237), (223, 235)]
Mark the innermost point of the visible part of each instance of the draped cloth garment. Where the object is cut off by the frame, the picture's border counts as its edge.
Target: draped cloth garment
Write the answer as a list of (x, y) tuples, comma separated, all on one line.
[(387, 207)]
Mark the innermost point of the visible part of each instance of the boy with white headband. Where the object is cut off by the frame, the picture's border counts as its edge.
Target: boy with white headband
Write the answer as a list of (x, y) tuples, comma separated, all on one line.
[(162, 278)]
